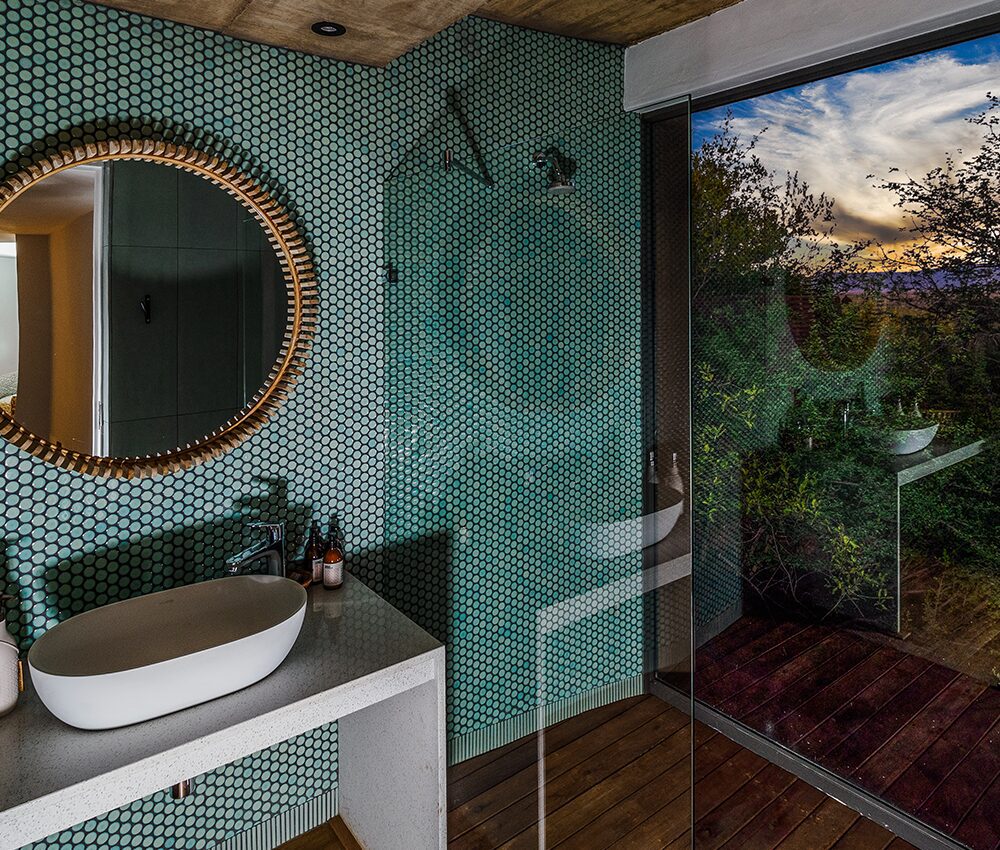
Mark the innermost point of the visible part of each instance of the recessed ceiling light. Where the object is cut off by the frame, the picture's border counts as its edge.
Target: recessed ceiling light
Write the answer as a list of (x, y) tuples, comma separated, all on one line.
[(328, 28)]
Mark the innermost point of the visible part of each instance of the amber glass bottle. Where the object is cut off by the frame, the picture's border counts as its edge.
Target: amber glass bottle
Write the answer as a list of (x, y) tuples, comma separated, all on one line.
[(333, 563), (314, 554)]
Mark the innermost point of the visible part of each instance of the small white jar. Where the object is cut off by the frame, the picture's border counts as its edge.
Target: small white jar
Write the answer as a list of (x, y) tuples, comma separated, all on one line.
[(9, 672)]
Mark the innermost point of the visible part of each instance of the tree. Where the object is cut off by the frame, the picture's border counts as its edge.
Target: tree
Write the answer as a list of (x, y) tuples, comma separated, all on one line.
[(757, 241), (950, 267), (945, 278)]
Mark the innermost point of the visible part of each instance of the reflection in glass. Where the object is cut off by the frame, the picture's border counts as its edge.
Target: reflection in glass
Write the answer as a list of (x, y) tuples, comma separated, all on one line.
[(142, 308), (845, 379)]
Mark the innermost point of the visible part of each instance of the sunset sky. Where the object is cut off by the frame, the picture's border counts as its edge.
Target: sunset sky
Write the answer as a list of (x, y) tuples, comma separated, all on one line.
[(835, 132)]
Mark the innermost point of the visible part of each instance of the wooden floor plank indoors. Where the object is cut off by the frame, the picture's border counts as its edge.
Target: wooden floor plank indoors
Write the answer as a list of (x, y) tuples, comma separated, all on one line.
[(619, 777)]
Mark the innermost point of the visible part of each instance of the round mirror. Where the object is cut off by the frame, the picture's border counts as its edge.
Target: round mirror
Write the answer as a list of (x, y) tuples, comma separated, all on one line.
[(150, 308)]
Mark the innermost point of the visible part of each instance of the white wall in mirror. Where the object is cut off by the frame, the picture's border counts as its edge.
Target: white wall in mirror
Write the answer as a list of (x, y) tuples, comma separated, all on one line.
[(8, 318), (57, 242)]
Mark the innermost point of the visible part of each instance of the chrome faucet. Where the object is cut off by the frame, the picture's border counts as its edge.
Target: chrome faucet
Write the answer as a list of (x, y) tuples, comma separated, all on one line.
[(270, 551)]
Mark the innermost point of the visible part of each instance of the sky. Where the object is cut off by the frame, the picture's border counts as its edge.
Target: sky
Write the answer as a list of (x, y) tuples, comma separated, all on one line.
[(835, 132)]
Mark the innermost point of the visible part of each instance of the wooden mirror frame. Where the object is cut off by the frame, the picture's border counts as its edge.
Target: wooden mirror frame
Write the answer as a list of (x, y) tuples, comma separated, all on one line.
[(299, 277)]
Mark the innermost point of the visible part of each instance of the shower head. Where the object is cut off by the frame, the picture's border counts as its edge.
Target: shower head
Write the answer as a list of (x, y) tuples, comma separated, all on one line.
[(558, 173), (561, 187)]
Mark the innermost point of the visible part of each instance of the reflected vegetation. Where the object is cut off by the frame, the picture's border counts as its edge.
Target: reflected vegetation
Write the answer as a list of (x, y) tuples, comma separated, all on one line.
[(845, 410)]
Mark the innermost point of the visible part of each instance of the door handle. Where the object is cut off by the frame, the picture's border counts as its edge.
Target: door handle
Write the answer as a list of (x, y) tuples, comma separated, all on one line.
[(146, 305)]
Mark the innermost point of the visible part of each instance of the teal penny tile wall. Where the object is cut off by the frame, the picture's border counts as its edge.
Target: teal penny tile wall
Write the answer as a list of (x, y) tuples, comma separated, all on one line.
[(77, 71), (222, 803), (70, 542), (514, 373), (497, 387)]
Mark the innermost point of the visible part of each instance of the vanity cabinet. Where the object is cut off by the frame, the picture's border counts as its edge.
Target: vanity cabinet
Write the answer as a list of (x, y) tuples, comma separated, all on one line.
[(357, 660)]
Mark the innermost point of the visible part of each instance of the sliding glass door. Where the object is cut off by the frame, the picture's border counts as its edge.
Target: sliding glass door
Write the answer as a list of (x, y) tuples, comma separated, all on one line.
[(845, 319)]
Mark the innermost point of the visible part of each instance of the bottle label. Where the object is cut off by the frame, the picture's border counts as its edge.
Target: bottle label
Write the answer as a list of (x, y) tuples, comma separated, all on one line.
[(317, 569), (333, 574)]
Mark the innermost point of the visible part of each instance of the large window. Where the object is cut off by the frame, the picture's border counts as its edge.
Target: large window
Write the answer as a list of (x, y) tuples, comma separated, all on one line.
[(845, 325)]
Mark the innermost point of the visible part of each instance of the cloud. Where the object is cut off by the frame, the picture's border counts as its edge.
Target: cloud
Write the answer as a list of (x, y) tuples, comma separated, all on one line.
[(836, 132)]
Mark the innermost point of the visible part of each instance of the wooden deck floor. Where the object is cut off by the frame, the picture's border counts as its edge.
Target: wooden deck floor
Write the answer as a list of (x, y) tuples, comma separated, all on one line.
[(918, 734), (619, 777)]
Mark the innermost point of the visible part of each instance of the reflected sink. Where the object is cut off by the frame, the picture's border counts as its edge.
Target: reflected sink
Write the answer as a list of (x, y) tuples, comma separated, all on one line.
[(155, 654), (907, 442), (611, 540)]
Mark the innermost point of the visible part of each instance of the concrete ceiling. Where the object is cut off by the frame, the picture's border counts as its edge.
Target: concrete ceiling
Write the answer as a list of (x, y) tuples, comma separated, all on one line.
[(378, 31), (51, 204)]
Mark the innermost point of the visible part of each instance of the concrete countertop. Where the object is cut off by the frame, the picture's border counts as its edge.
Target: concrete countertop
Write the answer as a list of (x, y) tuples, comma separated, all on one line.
[(935, 457)]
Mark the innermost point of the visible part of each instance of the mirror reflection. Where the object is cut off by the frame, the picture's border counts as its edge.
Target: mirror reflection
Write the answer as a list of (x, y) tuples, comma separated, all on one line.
[(141, 307)]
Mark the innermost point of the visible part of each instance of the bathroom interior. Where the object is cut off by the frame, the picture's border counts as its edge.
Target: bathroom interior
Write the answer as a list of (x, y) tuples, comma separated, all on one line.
[(500, 424)]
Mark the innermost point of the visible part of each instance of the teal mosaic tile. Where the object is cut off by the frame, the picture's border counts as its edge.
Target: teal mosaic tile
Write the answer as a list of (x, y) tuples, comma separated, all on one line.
[(73, 70), (222, 803), (513, 369), (467, 425)]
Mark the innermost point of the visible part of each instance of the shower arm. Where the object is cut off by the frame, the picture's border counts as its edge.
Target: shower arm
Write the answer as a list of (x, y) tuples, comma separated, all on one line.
[(483, 173), (543, 159), (451, 163)]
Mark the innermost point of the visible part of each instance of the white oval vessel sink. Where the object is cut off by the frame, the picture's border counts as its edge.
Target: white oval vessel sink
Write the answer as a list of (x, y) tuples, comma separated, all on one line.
[(149, 656)]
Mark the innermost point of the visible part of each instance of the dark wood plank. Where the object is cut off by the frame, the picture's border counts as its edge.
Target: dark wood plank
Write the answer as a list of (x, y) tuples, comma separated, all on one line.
[(616, 825), (670, 789), (576, 813), (821, 705), (705, 675), (461, 769), (981, 826), (476, 805), (896, 724), (768, 714), (561, 786), (785, 677), (824, 826), (321, 838), (740, 633), (887, 764), (919, 781), (627, 785), (344, 835), (882, 724), (775, 821), (954, 797), (485, 772), (865, 835), (761, 667), (670, 822), (715, 828), (858, 709), (682, 842)]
